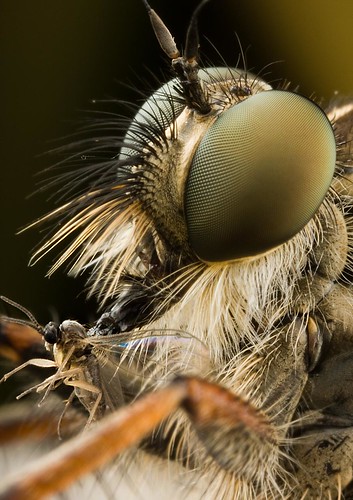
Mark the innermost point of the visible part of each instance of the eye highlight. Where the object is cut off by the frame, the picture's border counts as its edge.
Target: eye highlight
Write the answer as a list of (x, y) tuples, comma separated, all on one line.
[(258, 176)]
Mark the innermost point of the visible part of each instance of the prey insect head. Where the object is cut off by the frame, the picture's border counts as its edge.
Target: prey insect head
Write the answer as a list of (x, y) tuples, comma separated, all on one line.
[(51, 331)]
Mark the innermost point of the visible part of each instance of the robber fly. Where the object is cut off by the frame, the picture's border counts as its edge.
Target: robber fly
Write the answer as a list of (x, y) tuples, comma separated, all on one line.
[(216, 231)]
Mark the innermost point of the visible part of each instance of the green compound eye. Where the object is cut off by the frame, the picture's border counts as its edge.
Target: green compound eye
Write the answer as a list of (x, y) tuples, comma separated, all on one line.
[(259, 175)]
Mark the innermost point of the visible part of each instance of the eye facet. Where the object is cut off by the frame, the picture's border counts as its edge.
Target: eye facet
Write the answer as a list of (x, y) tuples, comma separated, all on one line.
[(259, 174)]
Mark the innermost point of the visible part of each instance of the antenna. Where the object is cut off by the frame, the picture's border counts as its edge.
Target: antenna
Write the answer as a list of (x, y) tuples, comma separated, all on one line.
[(192, 35), (32, 320), (163, 35), (185, 66)]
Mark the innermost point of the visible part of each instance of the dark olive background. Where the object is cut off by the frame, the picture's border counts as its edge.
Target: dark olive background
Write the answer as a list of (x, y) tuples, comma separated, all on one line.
[(57, 55)]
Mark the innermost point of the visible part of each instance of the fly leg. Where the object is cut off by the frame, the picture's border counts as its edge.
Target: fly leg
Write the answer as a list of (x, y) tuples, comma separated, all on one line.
[(232, 430), (204, 402)]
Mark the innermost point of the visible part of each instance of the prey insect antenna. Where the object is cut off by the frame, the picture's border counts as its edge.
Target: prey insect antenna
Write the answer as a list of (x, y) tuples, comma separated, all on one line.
[(32, 320)]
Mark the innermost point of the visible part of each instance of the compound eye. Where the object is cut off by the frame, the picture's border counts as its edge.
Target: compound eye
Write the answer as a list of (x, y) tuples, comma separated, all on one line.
[(52, 333), (258, 176)]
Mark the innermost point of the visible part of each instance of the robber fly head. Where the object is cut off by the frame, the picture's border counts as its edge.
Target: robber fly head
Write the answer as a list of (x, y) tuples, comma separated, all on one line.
[(215, 167), (245, 167)]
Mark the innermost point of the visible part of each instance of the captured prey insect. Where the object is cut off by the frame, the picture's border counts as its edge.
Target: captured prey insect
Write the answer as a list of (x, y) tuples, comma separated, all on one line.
[(224, 218), (76, 364)]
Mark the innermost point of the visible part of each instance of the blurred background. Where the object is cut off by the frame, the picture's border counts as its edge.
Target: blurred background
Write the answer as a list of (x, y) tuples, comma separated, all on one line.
[(58, 55)]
